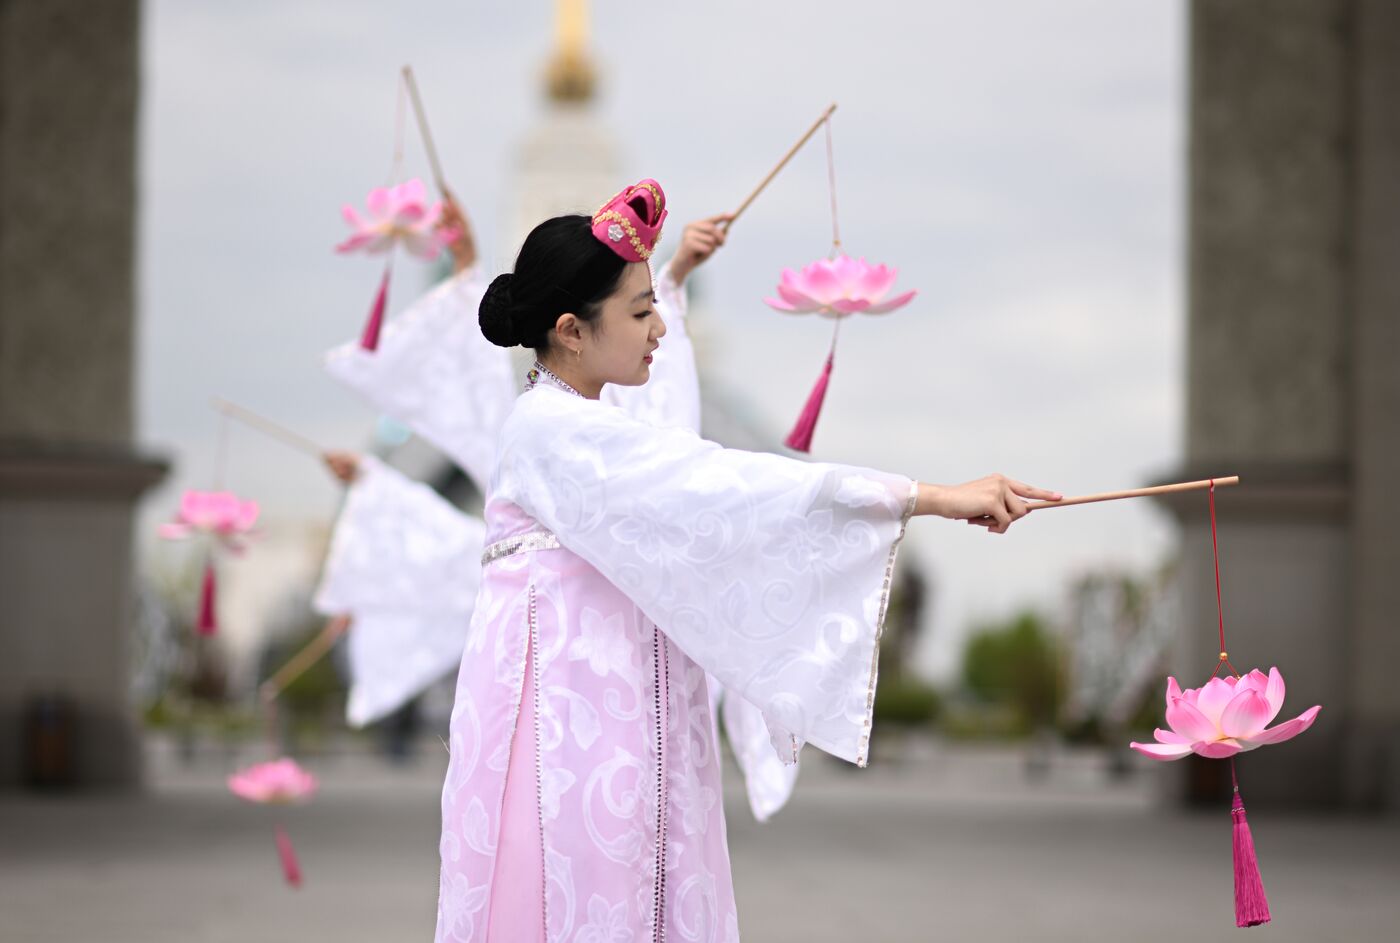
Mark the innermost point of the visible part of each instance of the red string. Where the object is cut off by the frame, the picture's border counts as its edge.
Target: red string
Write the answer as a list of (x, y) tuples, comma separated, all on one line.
[(1219, 606)]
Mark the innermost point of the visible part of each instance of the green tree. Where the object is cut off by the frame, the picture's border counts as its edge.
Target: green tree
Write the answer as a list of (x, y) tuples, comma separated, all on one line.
[(1016, 665)]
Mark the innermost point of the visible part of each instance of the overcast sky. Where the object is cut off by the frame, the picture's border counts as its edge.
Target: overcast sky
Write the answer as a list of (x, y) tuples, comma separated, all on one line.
[(1020, 162)]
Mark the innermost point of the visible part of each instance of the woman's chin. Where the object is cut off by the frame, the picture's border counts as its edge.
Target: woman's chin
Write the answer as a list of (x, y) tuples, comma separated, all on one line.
[(638, 378)]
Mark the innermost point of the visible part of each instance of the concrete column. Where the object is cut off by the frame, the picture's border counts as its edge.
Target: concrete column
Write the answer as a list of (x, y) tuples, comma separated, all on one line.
[(68, 476), (1292, 381), (1373, 743)]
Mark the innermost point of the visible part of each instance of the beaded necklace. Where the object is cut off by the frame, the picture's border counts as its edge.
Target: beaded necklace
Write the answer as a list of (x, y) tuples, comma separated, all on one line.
[(539, 372)]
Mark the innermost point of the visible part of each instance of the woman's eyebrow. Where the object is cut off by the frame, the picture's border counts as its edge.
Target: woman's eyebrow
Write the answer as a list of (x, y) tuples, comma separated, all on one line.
[(643, 294)]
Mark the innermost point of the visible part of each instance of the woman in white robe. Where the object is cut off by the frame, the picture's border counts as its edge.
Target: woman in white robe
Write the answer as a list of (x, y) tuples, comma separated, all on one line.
[(406, 564), (625, 561)]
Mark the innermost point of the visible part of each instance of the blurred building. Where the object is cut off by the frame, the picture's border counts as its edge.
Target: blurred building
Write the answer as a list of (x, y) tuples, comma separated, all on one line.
[(1292, 380), (568, 162), (69, 474)]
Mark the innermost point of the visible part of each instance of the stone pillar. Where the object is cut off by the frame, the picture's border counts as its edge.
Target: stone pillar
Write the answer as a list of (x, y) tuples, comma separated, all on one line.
[(1291, 377), (69, 477), (1373, 744)]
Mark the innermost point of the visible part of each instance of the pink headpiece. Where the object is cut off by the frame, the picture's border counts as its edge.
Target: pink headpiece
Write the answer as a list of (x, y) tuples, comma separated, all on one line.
[(630, 223)]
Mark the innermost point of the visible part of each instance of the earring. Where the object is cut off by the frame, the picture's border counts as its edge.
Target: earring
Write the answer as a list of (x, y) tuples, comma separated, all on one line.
[(578, 355)]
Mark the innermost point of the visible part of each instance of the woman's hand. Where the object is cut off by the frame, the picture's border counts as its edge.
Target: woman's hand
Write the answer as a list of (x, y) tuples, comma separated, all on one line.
[(698, 242), (343, 465), (463, 245), (993, 502)]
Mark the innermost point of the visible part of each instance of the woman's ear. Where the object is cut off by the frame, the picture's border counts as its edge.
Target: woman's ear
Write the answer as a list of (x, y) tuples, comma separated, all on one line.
[(568, 331)]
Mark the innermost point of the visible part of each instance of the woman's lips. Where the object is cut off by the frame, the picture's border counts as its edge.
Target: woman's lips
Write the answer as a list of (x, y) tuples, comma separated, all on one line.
[(647, 359)]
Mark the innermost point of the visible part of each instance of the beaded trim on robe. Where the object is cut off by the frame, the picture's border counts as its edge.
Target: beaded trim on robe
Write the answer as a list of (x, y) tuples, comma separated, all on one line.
[(520, 543), (863, 756)]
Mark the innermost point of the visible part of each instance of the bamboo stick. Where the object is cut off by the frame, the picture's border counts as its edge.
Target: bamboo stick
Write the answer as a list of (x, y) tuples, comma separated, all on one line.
[(780, 165), (302, 661), (1134, 493), (423, 129), (278, 431)]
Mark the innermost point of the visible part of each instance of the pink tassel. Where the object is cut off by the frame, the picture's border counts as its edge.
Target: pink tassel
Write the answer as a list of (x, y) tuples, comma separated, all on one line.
[(207, 623), (1251, 904), (369, 340), (290, 868), (800, 438)]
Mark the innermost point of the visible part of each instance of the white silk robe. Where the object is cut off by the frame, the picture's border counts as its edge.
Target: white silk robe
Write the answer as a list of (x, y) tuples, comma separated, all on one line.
[(582, 800), (625, 561), (405, 564)]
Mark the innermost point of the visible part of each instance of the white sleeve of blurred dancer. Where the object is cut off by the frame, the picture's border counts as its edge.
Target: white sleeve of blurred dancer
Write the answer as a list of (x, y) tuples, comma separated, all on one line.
[(405, 565), (437, 374), (671, 397)]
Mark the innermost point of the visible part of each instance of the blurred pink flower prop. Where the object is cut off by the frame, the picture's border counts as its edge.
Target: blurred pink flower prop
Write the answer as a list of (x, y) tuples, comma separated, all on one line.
[(279, 782), (838, 287), (833, 288), (219, 514), (226, 519), (397, 215), (1226, 716)]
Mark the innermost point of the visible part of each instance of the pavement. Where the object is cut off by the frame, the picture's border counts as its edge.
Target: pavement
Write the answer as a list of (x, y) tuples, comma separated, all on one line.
[(949, 844)]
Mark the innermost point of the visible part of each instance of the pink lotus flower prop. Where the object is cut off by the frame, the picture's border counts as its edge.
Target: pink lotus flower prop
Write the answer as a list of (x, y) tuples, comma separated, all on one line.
[(396, 215), (833, 288), (837, 287), (1225, 717), (279, 781), (225, 518), (219, 514)]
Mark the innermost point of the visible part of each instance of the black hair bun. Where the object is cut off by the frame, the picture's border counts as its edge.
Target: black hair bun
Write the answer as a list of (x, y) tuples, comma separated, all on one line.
[(497, 313)]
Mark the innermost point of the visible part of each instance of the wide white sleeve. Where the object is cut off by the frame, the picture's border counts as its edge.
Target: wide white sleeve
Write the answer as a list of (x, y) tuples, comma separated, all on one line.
[(768, 780), (671, 397), (437, 374), (405, 565), (772, 574)]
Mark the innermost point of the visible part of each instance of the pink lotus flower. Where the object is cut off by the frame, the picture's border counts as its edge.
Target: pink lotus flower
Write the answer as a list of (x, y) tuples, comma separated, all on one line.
[(220, 514), (279, 781), (397, 214), (1225, 717), (837, 287)]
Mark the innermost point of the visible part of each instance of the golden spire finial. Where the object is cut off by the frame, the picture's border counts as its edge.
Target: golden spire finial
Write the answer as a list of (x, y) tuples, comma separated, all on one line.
[(570, 76)]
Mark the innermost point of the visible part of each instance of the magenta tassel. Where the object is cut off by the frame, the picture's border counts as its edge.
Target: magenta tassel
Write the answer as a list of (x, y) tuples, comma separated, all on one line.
[(369, 340), (1251, 905), (800, 438), (207, 623), (290, 868)]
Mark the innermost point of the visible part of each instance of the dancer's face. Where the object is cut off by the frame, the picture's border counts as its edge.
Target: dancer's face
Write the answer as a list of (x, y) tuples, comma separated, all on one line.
[(616, 346)]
